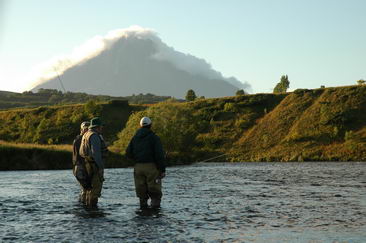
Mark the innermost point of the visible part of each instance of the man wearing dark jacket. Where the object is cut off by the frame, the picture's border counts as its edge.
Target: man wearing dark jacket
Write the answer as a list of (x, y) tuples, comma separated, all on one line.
[(146, 150), (78, 162)]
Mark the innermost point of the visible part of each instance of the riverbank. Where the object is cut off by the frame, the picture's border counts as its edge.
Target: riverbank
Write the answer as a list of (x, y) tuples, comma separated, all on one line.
[(21, 156), (326, 124)]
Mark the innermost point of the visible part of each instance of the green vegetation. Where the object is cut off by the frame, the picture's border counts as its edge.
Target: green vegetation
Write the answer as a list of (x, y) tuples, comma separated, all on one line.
[(198, 130), (60, 124), (326, 124), (361, 82), (310, 125), (54, 97), (240, 92), (45, 157), (191, 95), (31, 157), (283, 85), (306, 125)]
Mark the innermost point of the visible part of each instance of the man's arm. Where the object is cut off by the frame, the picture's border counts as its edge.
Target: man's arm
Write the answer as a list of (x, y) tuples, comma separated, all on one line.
[(159, 154), (75, 150), (96, 150), (129, 150)]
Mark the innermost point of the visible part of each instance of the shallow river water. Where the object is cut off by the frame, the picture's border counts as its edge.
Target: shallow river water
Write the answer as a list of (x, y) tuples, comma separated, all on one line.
[(247, 202)]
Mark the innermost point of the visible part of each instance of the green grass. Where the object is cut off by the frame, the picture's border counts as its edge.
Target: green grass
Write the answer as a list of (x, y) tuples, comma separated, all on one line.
[(305, 125), (60, 124), (21, 156), (195, 131), (318, 125)]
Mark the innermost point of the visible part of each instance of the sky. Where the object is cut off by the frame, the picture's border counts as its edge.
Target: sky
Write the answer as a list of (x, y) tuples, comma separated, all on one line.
[(314, 42)]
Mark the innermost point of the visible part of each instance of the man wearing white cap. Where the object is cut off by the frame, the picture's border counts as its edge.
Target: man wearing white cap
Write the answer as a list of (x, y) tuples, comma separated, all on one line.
[(146, 150), (78, 163)]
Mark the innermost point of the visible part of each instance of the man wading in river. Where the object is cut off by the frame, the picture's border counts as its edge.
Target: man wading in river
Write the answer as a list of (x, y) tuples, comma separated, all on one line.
[(94, 151), (146, 150), (78, 163)]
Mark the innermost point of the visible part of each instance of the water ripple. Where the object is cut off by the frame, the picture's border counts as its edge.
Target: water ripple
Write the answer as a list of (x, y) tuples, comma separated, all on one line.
[(248, 202)]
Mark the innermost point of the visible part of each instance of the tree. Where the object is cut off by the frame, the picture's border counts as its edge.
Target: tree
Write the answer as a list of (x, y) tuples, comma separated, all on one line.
[(361, 82), (92, 108), (283, 85), (240, 92), (191, 95)]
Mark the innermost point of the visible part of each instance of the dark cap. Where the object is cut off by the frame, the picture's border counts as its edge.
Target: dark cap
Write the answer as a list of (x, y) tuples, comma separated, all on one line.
[(96, 122)]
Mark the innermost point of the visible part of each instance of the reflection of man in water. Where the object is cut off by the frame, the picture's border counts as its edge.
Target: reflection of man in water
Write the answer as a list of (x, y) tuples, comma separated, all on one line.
[(78, 163), (146, 150)]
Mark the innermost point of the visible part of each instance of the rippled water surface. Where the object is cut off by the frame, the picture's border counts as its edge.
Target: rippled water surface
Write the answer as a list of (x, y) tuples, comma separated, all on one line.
[(247, 202)]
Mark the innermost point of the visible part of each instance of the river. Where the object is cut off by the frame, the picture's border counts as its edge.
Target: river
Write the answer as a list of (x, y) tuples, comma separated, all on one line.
[(216, 202)]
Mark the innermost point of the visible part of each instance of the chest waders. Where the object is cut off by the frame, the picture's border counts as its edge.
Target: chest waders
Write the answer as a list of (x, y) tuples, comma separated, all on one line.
[(92, 169)]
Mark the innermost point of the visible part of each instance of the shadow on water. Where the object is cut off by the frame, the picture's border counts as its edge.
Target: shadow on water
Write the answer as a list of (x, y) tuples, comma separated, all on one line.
[(83, 211), (149, 212)]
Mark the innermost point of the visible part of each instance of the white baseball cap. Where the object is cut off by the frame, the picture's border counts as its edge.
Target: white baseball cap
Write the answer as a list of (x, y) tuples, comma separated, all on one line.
[(145, 121), (85, 125)]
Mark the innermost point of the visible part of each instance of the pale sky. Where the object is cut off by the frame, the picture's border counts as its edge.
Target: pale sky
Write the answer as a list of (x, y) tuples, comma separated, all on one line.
[(314, 42)]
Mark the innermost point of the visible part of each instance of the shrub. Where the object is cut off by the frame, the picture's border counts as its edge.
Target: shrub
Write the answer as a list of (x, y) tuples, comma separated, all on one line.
[(92, 108)]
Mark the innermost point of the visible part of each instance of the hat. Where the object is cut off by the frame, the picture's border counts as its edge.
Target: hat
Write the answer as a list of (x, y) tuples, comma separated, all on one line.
[(96, 122), (84, 125), (145, 121)]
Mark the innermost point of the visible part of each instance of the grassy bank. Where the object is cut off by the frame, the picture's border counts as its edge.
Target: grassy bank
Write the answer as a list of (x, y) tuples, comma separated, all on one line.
[(304, 125), (310, 125), (45, 157), (196, 131)]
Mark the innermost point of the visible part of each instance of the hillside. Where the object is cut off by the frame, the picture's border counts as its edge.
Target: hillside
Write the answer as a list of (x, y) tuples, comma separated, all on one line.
[(306, 125), (60, 124), (199, 130), (54, 97), (310, 125)]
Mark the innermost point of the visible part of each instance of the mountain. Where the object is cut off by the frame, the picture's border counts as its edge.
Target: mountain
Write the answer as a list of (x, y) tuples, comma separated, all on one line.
[(134, 61)]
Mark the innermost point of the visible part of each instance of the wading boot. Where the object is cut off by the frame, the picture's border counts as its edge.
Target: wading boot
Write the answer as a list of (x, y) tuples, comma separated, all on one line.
[(143, 203), (82, 197), (155, 203), (93, 203)]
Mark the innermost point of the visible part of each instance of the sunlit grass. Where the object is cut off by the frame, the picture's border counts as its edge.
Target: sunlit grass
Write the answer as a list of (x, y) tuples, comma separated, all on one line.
[(63, 147)]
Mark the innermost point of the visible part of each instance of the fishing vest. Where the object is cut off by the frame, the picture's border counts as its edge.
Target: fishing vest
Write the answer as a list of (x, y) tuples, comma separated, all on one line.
[(85, 148)]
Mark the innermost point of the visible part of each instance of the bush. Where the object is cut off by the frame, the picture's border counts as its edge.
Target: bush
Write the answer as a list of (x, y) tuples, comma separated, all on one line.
[(174, 123), (92, 108)]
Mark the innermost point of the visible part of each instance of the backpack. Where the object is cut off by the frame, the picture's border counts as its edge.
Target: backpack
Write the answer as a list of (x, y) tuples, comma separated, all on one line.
[(79, 169), (85, 150)]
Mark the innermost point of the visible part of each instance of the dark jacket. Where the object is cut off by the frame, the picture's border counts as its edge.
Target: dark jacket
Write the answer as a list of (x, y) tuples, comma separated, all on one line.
[(145, 147), (78, 163), (76, 158)]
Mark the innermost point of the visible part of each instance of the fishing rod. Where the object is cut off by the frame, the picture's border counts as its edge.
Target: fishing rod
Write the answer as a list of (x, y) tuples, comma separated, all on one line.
[(212, 158), (222, 155), (59, 79)]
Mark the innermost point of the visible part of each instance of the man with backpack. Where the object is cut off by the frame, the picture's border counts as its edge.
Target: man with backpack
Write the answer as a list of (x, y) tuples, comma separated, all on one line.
[(146, 150), (78, 162), (94, 150)]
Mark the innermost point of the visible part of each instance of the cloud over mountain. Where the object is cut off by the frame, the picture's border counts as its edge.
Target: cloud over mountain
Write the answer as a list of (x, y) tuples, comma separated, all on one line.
[(133, 60)]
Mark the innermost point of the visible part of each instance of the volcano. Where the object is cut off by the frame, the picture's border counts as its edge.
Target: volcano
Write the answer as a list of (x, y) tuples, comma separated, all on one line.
[(133, 61)]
